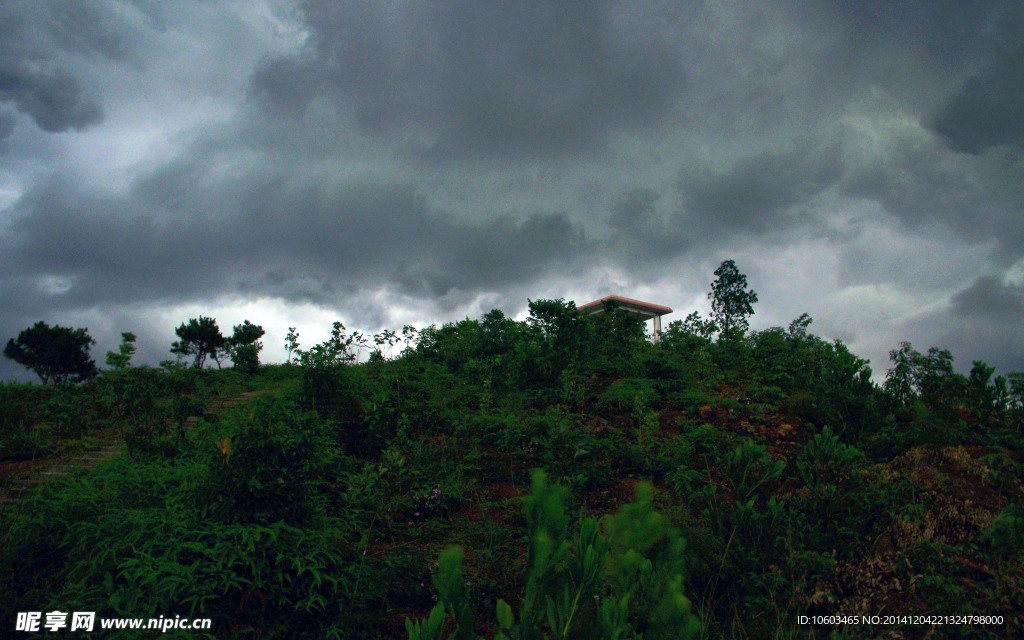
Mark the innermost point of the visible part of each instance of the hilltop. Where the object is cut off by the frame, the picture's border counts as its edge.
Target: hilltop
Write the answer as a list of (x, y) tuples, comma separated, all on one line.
[(718, 484)]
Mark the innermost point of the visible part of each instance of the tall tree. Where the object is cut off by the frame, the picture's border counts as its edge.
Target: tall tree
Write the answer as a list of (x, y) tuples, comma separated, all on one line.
[(902, 379), (246, 346), (200, 338), (291, 342), (122, 358), (731, 302), (56, 354)]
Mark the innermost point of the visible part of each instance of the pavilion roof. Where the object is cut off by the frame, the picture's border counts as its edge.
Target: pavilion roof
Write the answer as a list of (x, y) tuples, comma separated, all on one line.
[(626, 304)]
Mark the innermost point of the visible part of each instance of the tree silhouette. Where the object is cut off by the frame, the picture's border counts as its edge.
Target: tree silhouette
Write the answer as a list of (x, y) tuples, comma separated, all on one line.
[(245, 346), (731, 302), (199, 339), (56, 354), (122, 358)]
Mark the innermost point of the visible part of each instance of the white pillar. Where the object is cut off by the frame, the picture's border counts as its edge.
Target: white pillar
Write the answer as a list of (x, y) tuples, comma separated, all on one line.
[(657, 329)]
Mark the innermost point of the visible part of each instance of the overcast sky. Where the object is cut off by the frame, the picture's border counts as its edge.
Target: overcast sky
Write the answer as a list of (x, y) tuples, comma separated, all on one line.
[(392, 163)]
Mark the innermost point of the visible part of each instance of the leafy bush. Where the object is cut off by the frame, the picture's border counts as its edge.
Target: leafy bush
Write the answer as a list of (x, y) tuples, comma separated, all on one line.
[(22, 434), (571, 451), (749, 467), (837, 497), (620, 580), (627, 393), (128, 540), (828, 466), (246, 358), (1007, 532), (268, 464), (72, 412), (132, 402)]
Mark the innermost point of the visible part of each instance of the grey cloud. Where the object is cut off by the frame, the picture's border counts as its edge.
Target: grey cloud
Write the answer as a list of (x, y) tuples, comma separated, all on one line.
[(989, 109), (6, 124), (991, 299), (35, 42), (921, 183), (640, 233), (947, 31), (53, 100), (449, 154), (760, 193), (485, 79), (39, 30), (982, 324), (299, 239), (88, 25)]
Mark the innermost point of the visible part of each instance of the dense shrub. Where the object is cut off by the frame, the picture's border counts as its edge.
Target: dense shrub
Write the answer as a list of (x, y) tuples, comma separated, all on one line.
[(621, 578), (267, 464), (22, 412), (129, 541)]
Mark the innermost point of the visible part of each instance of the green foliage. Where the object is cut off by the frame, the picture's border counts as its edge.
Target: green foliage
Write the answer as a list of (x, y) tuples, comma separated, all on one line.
[(269, 463), (246, 333), (451, 590), (58, 355), (901, 379), (620, 580), (837, 495), (200, 338), (291, 343), (131, 399), (559, 333), (826, 465), (22, 432), (340, 349), (316, 512), (72, 412), (569, 450), (123, 356), (697, 328), (931, 379), (430, 629), (749, 467), (629, 393), (731, 302), (246, 358), (328, 385), (245, 347), (616, 341), (128, 540), (1007, 532)]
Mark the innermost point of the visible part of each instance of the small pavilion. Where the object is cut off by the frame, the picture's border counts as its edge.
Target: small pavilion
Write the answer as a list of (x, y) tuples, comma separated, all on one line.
[(647, 310)]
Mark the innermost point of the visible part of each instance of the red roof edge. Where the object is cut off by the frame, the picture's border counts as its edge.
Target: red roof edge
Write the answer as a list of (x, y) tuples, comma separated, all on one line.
[(657, 309)]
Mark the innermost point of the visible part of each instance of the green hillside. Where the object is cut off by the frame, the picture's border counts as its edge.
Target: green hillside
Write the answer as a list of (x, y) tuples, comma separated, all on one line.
[(723, 483)]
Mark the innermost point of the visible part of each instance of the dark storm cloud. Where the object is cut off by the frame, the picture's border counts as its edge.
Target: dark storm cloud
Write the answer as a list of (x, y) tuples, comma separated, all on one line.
[(982, 325), (920, 183), (989, 108), (297, 239), (6, 124), (53, 100), (87, 26), (758, 194), (436, 157), (946, 31), (990, 299), (491, 79), (640, 232), (36, 40)]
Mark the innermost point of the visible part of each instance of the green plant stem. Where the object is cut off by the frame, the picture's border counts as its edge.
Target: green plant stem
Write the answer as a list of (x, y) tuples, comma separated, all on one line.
[(572, 613)]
